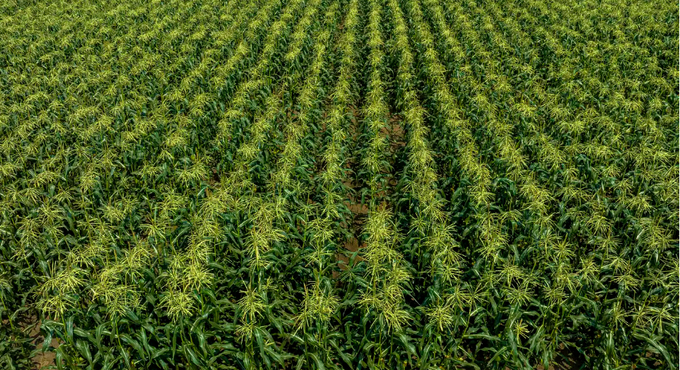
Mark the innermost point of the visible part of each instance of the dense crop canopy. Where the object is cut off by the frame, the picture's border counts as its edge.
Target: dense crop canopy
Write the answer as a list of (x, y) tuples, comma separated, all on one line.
[(339, 184)]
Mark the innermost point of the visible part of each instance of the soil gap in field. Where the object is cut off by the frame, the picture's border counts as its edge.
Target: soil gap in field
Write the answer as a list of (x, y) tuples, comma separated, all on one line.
[(354, 202), (30, 327)]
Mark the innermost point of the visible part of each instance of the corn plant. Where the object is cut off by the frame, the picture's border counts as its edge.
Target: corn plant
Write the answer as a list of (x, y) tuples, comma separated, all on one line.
[(339, 184)]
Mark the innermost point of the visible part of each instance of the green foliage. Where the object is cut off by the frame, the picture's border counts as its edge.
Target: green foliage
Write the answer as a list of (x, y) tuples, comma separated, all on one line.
[(339, 184)]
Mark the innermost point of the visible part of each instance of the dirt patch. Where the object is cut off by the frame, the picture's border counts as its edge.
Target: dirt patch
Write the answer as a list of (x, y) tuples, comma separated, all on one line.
[(41, 359), (358, 209), (45, 360), (359, 213), (343, 260), (396, 133), (397, 143), (30, 326)]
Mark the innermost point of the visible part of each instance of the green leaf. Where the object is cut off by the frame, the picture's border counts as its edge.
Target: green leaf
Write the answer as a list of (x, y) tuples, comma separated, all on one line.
[(317, 361), (84, 350)]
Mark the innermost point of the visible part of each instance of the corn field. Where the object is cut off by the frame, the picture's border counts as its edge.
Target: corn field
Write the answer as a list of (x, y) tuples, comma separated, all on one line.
[(339, 184)]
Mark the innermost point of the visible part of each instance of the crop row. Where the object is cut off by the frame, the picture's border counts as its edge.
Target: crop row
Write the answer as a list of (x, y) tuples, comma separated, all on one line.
[(345, 184)]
